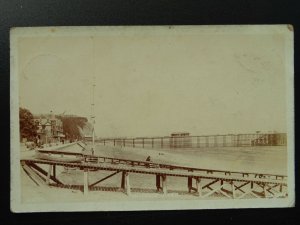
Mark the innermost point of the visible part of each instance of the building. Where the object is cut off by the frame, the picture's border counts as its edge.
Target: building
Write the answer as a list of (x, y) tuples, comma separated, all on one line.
[(180, 140), (50, 128), (271, 139)]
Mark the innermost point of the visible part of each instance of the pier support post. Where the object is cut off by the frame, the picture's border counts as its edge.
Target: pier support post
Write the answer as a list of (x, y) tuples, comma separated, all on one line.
[(206, 141), (158, 186), (265, 190), (215, 141), (85, 181), (233, 190), (49, 175), (190, 184), (199, 186), (164, 184), (123, 181), (54, 171), (127, 184)]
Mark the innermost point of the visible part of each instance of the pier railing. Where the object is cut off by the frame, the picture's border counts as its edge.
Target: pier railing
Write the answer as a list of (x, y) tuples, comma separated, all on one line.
[(208, 182), (204, 141)]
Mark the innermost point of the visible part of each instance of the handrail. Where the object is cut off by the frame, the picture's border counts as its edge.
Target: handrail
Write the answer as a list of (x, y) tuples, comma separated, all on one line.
[(160, 165), (155, 171)]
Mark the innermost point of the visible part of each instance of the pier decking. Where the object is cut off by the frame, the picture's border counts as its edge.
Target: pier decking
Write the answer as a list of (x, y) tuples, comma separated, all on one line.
[(201, 182)]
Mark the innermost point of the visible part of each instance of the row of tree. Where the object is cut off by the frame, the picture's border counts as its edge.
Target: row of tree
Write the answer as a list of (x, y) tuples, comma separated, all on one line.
[(28, 128)]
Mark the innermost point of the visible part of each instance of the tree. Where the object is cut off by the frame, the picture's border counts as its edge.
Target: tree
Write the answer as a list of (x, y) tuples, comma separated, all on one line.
[(28, 129)]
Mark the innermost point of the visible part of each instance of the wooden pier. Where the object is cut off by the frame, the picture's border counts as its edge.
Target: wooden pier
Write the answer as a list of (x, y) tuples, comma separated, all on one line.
[(204, 141), (203, 183)]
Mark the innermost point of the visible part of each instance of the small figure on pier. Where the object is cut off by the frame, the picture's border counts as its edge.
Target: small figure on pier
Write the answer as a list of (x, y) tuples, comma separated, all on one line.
[(148, 160)]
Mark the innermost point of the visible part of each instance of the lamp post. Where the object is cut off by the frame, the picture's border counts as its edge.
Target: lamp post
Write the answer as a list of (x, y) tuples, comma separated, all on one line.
[(93, 99)]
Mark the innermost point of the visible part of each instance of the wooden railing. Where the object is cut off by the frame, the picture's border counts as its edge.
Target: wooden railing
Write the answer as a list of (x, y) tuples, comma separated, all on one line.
[(149, 164)]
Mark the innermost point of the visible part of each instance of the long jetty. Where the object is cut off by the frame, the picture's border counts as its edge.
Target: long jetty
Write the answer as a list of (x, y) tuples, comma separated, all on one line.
[(201, 182), (207, 141)]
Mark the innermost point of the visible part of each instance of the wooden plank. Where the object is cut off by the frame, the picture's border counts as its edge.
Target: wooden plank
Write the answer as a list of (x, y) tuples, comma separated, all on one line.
[(39, 169), (211, 183), (34, 176)]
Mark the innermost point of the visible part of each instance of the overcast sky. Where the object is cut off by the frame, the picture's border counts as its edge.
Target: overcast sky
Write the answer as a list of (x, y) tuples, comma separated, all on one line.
[(155, 83)]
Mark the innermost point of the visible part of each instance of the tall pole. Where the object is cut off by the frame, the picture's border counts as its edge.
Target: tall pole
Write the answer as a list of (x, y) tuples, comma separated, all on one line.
[(93, 117), (93, 100)]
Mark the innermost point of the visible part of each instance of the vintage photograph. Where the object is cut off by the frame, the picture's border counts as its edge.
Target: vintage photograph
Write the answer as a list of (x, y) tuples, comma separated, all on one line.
[(152, 117)]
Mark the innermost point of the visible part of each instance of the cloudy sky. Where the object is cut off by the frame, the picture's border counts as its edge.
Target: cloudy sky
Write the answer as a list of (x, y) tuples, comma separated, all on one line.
[(153, 82)]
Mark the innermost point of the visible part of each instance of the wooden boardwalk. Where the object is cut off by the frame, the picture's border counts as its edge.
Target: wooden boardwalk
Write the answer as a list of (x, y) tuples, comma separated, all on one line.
[(200, 182)]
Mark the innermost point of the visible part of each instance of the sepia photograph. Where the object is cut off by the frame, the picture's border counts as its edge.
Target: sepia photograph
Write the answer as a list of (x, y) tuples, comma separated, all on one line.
[(118, 118)]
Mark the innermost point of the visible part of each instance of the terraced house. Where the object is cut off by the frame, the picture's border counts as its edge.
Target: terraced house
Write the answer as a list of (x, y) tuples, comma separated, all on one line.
[(50, 128)]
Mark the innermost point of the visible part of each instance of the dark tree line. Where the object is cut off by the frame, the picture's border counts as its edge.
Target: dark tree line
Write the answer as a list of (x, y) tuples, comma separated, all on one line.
[(28, 128)]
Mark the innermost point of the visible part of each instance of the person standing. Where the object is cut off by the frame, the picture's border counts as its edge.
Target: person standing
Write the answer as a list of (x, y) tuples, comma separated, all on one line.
[(37, 141)]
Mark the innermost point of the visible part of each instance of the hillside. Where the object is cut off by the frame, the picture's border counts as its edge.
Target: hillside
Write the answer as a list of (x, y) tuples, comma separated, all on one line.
[(75, 126)]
